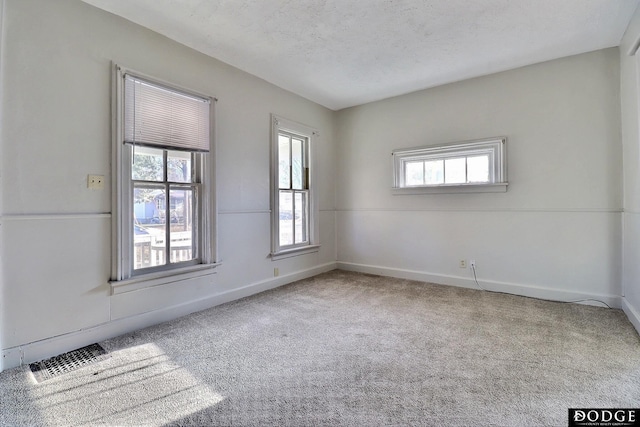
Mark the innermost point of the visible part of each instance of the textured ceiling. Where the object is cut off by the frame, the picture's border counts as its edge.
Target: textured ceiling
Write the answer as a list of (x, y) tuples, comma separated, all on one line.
[(341, 53)]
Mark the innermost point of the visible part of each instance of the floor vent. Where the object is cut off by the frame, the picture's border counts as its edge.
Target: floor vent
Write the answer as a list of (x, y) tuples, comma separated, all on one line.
[(67, 362)]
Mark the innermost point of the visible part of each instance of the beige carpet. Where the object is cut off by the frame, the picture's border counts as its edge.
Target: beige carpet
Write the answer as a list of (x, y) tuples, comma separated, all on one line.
[(349, 349)]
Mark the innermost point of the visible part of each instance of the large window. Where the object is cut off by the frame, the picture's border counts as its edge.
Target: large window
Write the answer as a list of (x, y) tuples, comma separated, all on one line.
[(164, 187), (474, 166), (293, 216)]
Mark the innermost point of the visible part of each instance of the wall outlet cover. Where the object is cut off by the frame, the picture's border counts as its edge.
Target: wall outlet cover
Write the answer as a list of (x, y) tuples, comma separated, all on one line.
[(95, 182)]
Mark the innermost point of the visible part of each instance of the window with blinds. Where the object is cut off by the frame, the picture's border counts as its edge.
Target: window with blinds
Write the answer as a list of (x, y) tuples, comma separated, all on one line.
[(165, 181)]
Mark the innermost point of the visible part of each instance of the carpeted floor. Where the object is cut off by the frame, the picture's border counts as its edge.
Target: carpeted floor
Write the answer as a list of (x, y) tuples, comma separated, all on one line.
[(349, 349)]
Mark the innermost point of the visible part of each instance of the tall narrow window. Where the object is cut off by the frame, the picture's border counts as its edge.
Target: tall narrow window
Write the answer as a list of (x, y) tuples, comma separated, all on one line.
[(164, 178), (292, 207)]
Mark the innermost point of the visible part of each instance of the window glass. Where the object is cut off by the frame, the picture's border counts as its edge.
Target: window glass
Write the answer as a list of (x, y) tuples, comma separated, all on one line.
[(299, 214), (179, 166), (284, 161), (149, 227), (181, 223), (455, 171), (147, 164), (414, 172), (478, 168), (434, 172), (286, 218), (297, 164)]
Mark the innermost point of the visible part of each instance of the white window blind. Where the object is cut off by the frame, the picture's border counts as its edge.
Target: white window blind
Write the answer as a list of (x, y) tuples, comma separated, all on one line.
[(163, 117)]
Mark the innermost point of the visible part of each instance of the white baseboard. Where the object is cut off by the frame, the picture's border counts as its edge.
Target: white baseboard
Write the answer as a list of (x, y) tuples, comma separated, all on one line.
[(32, 352), (28, 353), (613, 301), (632, 314)]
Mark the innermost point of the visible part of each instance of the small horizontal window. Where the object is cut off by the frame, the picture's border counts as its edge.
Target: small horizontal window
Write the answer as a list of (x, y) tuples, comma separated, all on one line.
[(455, 167)]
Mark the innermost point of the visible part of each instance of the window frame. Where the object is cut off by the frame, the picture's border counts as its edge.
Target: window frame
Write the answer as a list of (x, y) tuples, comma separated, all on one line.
[(124, 277), (494, 147), (195, 185), (310, 136)]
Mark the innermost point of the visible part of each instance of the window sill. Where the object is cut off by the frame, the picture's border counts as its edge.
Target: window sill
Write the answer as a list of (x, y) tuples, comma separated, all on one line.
[(288, 253), (500, 187), (161, 278)]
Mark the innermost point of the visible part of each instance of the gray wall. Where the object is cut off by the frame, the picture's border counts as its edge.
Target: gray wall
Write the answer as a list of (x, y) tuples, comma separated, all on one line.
[(630, 95), (556, 232), (56, 77)]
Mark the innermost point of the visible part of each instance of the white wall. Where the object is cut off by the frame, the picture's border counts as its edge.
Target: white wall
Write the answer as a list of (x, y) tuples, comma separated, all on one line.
[(1, 227), (556, 233), (630, 95), (56, 58)]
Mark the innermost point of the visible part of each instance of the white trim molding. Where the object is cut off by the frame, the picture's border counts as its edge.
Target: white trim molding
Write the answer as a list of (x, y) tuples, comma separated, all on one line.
[(295, 252), (532, 291), (634, 47), (499, 187), (2, 65), (632, 313), (35, 351), (490, 209), (162, 278), (56, 217)]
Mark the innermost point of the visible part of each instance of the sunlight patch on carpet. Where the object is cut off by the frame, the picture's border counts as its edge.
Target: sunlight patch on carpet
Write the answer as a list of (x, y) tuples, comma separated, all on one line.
[(145, 386)]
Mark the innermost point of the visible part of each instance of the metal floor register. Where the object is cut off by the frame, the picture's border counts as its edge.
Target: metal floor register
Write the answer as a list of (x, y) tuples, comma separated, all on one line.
[(67, 362)]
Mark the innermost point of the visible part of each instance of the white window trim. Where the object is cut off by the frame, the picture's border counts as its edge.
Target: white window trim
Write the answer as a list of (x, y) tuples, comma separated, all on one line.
[(495, 147), (281, 124), (122, 277)]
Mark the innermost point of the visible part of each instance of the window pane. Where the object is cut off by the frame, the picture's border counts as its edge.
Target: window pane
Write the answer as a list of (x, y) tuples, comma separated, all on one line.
[(478, 169), (286, 218), (149, 227), (284, 165), (146, 209), (300, 218), (414, 173), (182, 219), (147, 164), (298, 164), (434, 172), (455, 171), (179, 166)]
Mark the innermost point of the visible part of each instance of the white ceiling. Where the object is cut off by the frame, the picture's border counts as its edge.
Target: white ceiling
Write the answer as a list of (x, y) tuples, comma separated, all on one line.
[(341, 53)]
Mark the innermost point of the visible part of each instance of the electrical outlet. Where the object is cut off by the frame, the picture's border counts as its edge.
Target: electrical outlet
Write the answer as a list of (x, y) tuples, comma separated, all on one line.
[(276, 272), (463, 263), (95, 182), (472, 264)]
